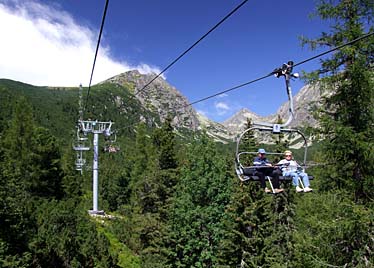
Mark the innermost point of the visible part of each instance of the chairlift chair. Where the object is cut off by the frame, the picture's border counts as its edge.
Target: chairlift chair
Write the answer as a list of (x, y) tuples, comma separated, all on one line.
[(80, 162), (80, 147), (110, 146), (243, 170), (79, 143)]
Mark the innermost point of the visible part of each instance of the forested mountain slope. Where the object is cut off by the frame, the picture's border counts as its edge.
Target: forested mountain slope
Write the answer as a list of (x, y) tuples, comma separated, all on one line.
[(173, 204), (173, 197), (124, 100)]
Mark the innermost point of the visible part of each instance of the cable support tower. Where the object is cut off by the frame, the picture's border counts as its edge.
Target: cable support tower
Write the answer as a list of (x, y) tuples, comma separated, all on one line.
[(95, 127)]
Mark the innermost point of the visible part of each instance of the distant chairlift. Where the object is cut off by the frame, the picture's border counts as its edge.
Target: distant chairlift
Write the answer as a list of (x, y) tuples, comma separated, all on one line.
[(80, 147), (110, 144), (243, 170)]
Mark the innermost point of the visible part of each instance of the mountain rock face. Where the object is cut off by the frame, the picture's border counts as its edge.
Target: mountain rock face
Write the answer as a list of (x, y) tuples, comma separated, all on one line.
[(238, 121), (304, 102), (215, 130), (159, 97), (165, 100)]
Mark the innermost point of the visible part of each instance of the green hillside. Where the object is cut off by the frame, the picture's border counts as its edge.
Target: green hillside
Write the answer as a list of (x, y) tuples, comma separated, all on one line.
[(57, 108)]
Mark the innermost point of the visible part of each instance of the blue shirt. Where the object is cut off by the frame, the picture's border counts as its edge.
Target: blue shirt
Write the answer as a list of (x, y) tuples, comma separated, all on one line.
[(260, 161)]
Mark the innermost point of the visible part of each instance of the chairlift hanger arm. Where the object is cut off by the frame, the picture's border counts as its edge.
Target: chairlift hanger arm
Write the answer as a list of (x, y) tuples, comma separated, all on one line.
[(286, 71)]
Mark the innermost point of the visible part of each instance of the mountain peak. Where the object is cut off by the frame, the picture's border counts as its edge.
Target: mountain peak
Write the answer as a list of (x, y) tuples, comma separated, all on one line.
[(158, 97), (238, 121), (163, 99), (303, 103)]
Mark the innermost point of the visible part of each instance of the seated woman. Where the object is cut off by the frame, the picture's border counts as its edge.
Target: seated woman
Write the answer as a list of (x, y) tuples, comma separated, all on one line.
[(265, 168), (291, 168)]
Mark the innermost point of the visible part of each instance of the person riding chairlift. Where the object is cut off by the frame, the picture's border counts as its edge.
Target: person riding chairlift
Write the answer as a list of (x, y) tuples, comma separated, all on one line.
[(265, 168), (292, 169)]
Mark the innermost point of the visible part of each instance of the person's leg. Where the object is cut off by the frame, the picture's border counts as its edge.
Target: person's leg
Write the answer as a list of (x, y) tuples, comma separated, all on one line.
[(295, 177), (305, 179), (275, 175), (262, 179)]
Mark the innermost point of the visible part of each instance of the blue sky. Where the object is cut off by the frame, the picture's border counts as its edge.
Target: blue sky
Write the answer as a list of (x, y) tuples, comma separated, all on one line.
[(53, 43)]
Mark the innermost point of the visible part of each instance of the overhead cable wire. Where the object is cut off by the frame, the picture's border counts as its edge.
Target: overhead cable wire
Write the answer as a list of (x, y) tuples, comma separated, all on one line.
[(335, 48), (97, 50), (230, 89), (273, 72), (191, 47), (276, 70)]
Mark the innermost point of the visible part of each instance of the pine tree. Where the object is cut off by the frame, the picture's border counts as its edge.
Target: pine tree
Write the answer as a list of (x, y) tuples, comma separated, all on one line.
[(162, 177), (164, 141), (72, 182), (16, 167), (196, 225), (248, 144), (30, 172), (146, 200), (249, 141), (79, 243), (259, 229), (348, 118), (167, 176), (47, 174), (239, 224)]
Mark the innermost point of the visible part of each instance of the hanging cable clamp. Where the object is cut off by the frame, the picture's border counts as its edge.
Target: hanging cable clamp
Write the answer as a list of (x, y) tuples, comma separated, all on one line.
[(286, 69)]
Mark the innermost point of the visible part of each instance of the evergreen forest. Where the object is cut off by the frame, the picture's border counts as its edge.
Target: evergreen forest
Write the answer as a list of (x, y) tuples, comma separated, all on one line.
[(171, 197)]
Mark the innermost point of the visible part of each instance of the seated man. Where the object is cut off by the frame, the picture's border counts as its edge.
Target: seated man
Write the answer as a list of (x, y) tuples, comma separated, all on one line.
[(265, 168)]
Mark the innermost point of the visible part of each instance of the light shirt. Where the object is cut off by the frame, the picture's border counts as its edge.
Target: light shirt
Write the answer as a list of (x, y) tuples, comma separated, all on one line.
[(288, 165)]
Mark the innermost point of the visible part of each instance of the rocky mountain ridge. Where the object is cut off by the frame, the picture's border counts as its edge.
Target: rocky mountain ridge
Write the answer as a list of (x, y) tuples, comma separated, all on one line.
[(304, 103), (160, 97), (164, 99)]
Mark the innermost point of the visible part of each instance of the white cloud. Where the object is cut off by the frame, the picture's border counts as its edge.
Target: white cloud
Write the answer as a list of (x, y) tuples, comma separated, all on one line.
[(223, 95), (222, 106), (43, 45), (204, 113)]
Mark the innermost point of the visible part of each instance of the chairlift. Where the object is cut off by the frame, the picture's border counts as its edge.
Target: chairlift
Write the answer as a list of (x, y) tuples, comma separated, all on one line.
[(79, 143), (110, 146), (79, 163), (244, 170), (80, 147)]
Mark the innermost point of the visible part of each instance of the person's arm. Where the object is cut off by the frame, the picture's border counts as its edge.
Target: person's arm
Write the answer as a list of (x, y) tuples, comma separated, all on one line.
[(282, 164), (257, 161), (298, 167), (267, 163)]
